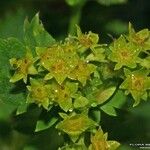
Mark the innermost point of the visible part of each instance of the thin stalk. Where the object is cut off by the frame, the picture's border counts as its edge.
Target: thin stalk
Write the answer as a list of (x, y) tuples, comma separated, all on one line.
[(75, 17)]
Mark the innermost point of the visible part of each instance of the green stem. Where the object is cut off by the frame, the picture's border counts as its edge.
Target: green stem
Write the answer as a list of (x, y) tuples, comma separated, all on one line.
[(75, 17)]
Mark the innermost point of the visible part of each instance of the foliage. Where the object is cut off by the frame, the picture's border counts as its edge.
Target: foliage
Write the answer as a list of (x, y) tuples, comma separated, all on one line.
[(72, 79)]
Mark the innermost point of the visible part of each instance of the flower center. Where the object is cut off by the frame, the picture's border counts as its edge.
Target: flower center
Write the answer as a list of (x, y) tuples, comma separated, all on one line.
[(125, 55), (137, 83), (85, 40)]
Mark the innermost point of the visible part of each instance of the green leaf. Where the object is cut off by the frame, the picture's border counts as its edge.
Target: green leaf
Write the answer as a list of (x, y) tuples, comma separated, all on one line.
[(63, 115), (12, 23), (22, 109), (103, 94), (97, 55), (110, 110), (35, 35), (95, 115), (117, 101), (10, 99), (145, 62), (41, 125), (9, 48), (80, 101)]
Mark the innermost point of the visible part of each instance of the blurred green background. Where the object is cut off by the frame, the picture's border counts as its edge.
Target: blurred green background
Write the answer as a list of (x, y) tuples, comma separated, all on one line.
[(108, 19)]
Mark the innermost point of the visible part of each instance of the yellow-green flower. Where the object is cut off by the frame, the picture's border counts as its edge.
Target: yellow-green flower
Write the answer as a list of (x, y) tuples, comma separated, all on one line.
[(76, 124), (141, 38), (39, 93), (137, 83), (123, 53), (82, 72), (62, 94), (86, 40), (23, 67), (99, 142), (58, 60)]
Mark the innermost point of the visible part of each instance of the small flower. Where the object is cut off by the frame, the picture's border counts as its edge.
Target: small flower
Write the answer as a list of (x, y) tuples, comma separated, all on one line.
[(76, 124), (141, 38), (123, 53), (137, 83), (58, 60), (39, 93), (87, 40), (62, 94), (82, 72), (99, 142), (23, 67)]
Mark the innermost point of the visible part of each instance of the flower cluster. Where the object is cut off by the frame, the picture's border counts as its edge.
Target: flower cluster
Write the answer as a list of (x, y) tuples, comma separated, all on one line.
[(57, 72), (78, 74), (128, 52)]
